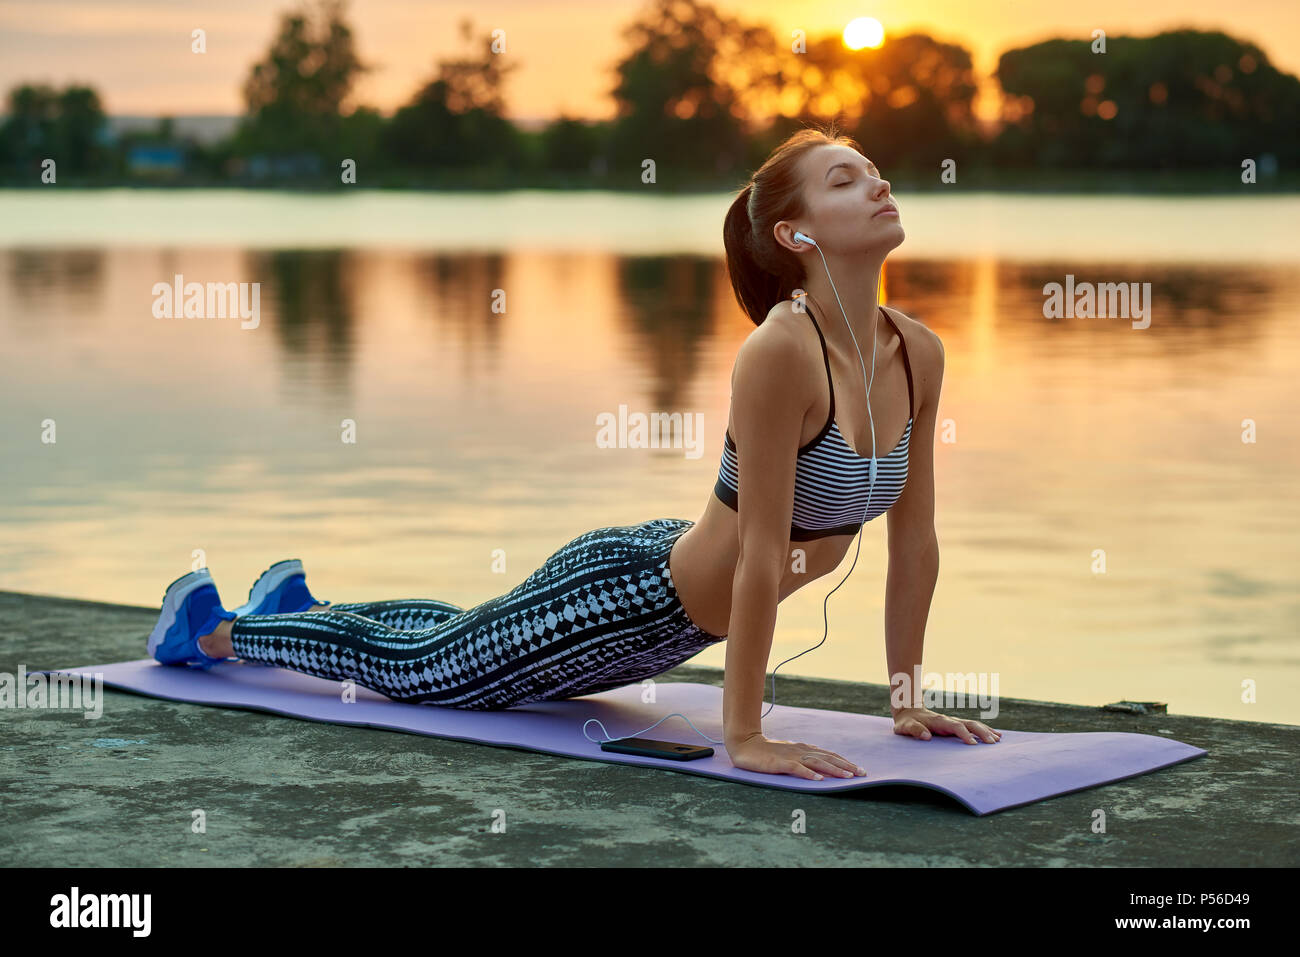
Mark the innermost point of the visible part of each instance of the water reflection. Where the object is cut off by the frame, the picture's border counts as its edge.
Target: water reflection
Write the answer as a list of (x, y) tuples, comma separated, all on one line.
[(74, 278), (669, 304), (457, 293), (312, 298), (475, 432)]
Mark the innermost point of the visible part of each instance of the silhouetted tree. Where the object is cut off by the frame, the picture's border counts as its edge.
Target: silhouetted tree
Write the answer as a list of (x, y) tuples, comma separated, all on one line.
[(43, 123), (919, 110), (672, 106), (297, 92), (1184, 98), (456, 118), (570, 145)]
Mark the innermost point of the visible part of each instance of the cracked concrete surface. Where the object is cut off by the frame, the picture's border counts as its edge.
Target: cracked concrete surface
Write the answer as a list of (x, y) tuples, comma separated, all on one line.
[(276, 791)]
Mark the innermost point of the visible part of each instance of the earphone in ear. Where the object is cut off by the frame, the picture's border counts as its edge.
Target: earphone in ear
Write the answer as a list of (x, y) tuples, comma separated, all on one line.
[(801, 238)]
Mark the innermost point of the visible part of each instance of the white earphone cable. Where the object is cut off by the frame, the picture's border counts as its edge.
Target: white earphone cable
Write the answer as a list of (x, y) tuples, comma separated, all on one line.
[(872, 471)]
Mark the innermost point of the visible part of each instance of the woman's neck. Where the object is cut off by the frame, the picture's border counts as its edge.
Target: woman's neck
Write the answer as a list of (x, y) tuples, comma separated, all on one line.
[(864, 317)]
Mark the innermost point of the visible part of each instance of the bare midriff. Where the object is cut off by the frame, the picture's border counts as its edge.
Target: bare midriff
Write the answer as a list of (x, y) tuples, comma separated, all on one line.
[(703, 563)]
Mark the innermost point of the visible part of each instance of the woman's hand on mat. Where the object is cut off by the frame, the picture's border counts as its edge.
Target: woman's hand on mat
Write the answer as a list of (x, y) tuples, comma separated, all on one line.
[(757, 753), (922, 722)]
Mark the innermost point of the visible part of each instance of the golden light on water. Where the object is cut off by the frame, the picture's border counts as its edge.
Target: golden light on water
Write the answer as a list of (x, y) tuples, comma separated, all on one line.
[(863, 32)]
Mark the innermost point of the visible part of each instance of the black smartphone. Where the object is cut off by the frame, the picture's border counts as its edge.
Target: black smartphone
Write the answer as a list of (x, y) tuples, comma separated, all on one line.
[(650, 748)]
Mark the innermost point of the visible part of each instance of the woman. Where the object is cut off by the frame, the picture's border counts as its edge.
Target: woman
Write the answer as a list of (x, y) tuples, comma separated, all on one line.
[(620, 604)]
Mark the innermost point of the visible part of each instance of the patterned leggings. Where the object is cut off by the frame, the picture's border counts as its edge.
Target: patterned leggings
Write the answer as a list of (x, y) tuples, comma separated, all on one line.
[(600, 613)]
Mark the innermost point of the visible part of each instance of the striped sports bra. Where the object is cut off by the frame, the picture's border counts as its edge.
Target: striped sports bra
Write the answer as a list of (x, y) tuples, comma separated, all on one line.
[(831, 480)]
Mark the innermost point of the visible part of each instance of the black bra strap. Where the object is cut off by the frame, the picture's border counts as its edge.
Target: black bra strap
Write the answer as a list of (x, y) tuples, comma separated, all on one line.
[(907, 365), (902, 344), (826, 357)]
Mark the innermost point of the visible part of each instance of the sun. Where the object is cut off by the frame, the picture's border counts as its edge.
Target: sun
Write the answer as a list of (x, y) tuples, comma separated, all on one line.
[(863, 32)]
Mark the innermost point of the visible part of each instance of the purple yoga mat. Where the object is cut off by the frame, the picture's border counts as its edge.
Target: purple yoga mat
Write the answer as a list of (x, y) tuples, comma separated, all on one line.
[(1021, 768)]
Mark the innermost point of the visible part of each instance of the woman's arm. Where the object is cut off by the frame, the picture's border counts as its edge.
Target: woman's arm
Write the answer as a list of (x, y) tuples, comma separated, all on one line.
[(769, 399), (914, 560), (913, 543)]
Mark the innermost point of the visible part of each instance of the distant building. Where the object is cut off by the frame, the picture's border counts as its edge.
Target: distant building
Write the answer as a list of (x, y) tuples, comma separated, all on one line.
[(280, 166), (162, 160), (204, 130)]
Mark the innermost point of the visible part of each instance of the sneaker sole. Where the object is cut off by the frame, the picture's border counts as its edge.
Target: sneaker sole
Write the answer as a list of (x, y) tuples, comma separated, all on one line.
[(173, 599), (270, 580)]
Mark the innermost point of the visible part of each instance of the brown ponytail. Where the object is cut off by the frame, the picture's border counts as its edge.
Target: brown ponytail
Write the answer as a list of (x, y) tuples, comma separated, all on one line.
[(762, 271)]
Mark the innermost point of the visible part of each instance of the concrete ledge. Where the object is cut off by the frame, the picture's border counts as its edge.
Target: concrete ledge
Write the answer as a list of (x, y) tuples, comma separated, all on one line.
[(120, 790)]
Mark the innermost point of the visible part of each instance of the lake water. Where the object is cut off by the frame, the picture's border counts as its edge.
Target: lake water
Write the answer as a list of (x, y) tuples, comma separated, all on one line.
[(476, 434)]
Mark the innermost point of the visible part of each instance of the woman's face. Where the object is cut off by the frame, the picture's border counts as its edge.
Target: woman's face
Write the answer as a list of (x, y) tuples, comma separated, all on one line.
[(850, 207)]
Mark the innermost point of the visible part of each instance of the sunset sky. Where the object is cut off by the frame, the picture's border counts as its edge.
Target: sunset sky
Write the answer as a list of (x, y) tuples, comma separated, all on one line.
[(137, 52)]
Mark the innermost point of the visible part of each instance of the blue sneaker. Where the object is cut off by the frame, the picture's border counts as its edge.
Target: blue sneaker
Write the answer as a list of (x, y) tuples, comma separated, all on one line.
[(191, 607), (281, 590)]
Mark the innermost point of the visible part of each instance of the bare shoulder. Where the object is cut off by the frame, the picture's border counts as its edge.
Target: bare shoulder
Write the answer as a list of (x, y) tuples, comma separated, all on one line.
[(767, 352), (924, 351), (922, 341)]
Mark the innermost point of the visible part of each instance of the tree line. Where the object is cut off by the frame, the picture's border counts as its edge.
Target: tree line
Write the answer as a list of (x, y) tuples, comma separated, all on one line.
[(705, 96)]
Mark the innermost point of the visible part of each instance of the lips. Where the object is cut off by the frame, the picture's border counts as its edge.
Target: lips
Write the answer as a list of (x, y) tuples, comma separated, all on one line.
[(885, 209)]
